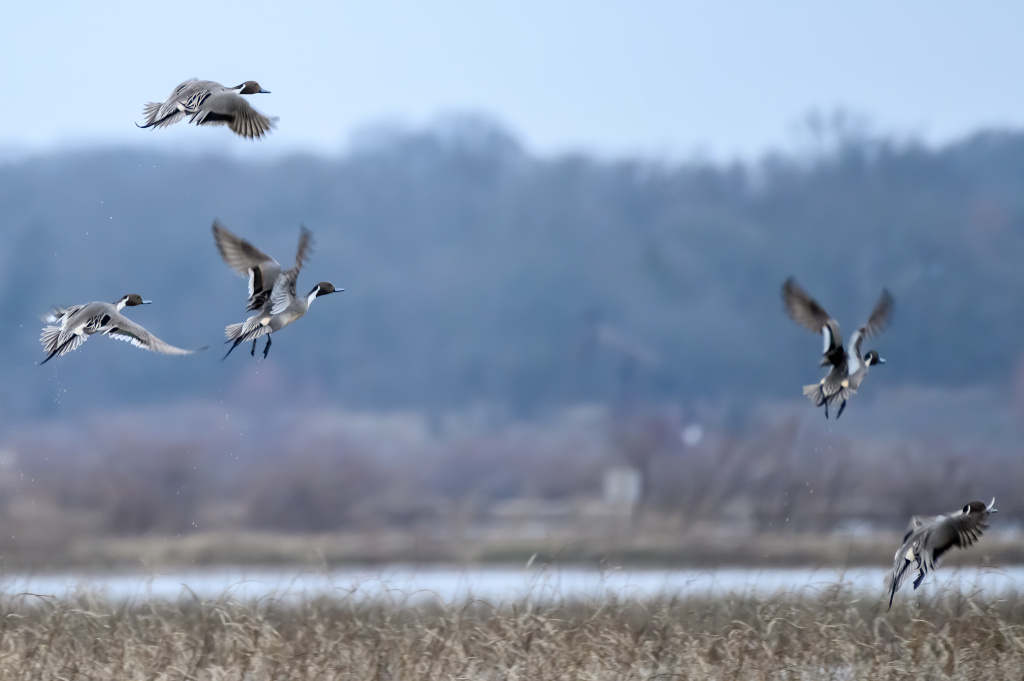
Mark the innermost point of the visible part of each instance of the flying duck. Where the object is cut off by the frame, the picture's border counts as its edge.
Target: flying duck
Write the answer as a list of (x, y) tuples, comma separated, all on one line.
[(927, 538), (210, 103), (848, 369), (69, 328), (271, 291)]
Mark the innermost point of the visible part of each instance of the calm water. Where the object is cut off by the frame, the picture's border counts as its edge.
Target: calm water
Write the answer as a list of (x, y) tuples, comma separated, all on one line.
[(401, 583)]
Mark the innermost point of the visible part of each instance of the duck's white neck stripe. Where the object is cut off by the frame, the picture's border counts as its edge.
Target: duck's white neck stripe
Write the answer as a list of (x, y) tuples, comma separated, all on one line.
[(312, 297), (121, 303)]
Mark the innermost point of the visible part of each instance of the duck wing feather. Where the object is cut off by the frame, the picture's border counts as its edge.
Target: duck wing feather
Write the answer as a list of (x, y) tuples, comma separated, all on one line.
[(807, 312), (880, 318), (284, 286), (247, 260), (122, 328)]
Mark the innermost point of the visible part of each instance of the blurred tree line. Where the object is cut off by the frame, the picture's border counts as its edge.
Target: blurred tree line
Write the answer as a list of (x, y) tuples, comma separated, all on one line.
[(323, 470), (473, 267)]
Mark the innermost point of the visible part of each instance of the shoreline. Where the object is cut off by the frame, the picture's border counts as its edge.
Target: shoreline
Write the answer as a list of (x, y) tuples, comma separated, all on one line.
[(343, 550)]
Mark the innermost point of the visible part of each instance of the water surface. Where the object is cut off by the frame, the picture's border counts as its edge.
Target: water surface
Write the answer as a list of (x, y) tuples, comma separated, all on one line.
[(403, 583)]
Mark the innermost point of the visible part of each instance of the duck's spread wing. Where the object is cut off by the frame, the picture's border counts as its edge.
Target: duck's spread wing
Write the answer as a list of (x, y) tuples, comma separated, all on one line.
[(957, 531), (250, 123), (807, 312), (803, 309), (880, 318), (305, 248), (122, 328), (284, 287), (284, 291), (231, 109), (919, 521), (239, 254), (249, 261)]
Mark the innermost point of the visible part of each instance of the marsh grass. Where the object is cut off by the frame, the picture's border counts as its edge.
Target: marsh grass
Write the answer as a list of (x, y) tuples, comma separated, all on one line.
[(833, 633)]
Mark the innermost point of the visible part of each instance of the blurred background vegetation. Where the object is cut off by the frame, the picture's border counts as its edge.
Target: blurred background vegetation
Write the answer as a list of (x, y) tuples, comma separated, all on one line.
[(513, 326)]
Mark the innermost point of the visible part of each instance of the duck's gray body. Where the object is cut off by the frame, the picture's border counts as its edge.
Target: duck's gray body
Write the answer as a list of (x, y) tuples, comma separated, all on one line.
[(847, 370), (929, 537), (210, 103), (69, 328), (271, 290)]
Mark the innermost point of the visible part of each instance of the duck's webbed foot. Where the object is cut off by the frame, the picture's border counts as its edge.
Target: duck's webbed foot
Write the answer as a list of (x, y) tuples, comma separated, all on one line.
[(266, 348)]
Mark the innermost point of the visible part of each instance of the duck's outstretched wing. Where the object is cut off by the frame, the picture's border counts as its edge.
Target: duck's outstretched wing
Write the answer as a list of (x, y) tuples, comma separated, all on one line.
[(122, 328), (231, 109), (284, 288), (919, 521), (247, 260), (954, 531), (807, 312), (880, 318)]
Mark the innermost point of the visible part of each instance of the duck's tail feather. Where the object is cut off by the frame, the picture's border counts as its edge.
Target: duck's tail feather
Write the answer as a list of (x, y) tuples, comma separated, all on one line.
[(152, 110), (815, 393), (250, 329), (234, 331), (891, 586), (50, 337), (57, 346), (894, 580)]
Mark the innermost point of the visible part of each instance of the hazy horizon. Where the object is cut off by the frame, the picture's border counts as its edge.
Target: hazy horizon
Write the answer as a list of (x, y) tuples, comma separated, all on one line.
[(721, 81)]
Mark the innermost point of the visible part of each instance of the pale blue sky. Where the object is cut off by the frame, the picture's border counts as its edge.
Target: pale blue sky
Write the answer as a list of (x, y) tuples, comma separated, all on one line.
[(658, 78)]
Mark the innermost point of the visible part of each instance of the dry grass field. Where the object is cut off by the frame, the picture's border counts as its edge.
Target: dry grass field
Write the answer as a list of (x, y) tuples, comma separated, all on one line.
[(827, 634)]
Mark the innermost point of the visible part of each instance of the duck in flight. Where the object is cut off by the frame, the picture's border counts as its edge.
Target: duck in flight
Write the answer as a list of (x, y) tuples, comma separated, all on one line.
[(271, 291), (928, 538), (847, 369), (210, 103), (68, 328)]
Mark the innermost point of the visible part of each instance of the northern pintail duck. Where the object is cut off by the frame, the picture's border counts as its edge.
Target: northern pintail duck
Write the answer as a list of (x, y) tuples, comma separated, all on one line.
[(210, 103), (69, 328), (927, 538), (848, 369), (271, 290)]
